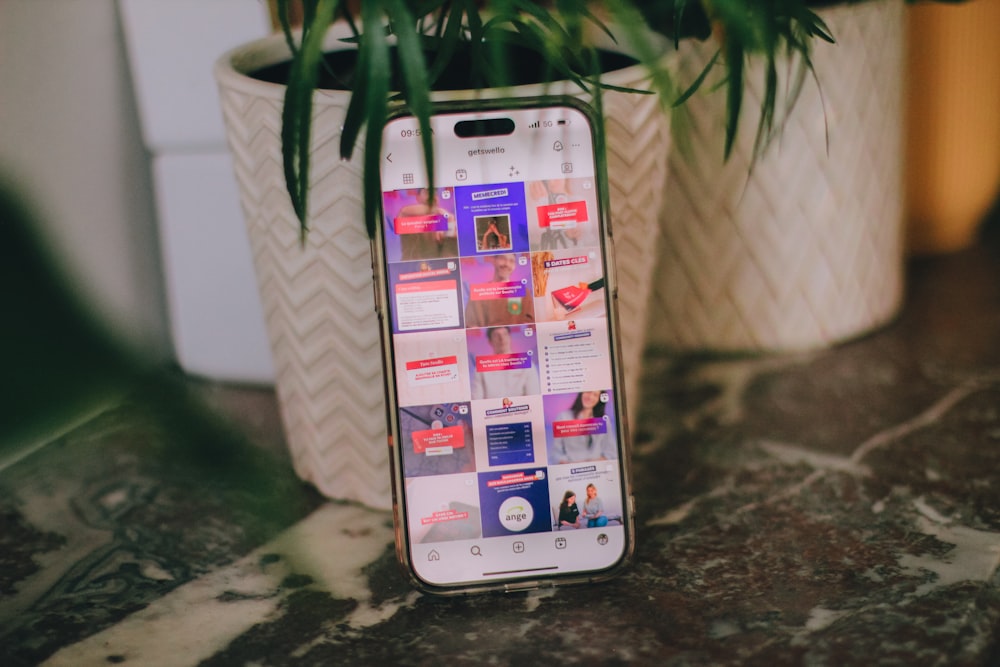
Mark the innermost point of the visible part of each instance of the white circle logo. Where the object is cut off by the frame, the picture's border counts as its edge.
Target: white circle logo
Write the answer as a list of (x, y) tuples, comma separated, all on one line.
[(516, 514)]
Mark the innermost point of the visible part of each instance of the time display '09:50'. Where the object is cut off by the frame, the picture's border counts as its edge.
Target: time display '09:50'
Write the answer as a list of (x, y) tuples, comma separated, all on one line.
[(410, 133)]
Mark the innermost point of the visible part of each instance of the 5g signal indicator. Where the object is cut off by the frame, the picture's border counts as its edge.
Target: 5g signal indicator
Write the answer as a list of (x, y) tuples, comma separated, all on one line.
[(548, 123)]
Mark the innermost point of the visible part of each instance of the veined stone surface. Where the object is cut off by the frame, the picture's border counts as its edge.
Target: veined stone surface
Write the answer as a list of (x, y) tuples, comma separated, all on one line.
[(836, 507)]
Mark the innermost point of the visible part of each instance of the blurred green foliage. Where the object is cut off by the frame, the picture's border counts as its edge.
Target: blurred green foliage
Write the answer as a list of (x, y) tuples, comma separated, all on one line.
[(59, 365)]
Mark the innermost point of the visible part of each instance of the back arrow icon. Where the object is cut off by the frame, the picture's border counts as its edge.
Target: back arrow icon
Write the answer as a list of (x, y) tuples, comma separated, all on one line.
[(388, 158)]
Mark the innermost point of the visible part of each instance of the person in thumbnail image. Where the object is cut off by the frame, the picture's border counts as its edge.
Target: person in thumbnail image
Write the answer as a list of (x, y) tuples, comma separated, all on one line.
[(569, 512), (590, 447), (427, 245), (500, 384), (553, 191), (593, 509), (491, 236), (495, 312)]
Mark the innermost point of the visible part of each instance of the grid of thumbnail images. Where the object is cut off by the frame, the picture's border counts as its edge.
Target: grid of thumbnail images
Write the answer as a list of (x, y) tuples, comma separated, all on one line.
[(503, 380)]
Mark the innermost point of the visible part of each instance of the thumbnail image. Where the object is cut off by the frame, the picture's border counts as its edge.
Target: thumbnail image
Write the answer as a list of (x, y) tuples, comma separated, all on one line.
[(493, 232), (568, 284), (442, 509), (497, 290), (562, 213), (502, 362), (573, 355), (580, 427), (514, 502), (585, 496), (491, 218), (420, 226), (436, 439), (431, 367), (425, 295), (509, 432)]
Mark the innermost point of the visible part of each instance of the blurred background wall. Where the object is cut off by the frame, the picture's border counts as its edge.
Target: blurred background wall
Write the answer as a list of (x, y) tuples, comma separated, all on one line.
[(70, 141)]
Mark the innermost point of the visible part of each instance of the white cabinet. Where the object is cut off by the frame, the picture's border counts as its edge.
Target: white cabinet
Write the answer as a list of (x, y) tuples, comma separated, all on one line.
[(216, 320)]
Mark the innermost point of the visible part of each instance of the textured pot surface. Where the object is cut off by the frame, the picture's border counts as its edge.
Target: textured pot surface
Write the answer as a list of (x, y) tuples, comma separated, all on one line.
[(318, 301), (804, 249)]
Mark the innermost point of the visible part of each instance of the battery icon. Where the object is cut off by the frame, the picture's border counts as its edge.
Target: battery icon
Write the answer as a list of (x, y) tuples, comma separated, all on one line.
[(562, 122)]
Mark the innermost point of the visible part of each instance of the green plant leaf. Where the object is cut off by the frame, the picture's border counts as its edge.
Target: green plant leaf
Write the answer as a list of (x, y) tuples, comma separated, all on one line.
[(354, 117), (680, 8), (693, 88), (816, 26), (445, 43), (595, 20), (765, 124), (376, 96), (734, 92), (296, 128), (648, 48), (750, 29), (286, 25), (417, 95)]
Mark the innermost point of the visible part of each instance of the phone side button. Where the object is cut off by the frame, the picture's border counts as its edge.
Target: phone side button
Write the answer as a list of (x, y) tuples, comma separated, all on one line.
[(612, 269), (375, 290)]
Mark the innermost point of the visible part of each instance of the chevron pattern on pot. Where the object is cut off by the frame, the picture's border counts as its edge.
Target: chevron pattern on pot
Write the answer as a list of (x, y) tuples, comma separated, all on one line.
[(317, 301), (638, 142), (803, 249)]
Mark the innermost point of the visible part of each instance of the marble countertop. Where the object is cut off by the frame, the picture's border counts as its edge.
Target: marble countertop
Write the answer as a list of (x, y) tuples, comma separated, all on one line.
[(833, 508)]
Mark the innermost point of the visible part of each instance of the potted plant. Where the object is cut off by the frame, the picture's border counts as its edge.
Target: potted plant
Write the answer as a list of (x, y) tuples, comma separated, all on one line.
[(798, 246), (306, 207)]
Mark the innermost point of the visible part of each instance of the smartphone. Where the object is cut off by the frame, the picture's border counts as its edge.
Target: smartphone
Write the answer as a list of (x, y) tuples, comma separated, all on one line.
[(496, 293)]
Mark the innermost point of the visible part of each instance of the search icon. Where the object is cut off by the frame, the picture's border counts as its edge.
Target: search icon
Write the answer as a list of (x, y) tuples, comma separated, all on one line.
[(475, 551)]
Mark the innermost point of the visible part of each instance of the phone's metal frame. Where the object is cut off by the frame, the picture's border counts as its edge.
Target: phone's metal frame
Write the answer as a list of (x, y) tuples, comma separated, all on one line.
[(382, 297)]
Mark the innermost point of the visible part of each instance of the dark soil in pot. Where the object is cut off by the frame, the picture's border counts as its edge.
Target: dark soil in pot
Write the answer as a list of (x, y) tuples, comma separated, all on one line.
[(524, 66)]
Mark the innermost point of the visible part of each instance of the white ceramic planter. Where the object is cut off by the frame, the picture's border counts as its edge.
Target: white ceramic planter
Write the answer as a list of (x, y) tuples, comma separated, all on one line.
[(805, 249), (318, 300)]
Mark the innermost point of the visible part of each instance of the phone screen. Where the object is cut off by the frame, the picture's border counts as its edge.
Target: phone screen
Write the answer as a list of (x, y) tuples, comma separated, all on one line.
[(499, 336)]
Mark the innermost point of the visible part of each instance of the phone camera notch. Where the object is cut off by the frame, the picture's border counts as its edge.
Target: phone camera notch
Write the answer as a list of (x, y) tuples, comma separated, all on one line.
[(484, 127)]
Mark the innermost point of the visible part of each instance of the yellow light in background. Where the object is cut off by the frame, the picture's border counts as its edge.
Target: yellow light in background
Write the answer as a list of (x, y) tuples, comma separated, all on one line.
[(953, 122)]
